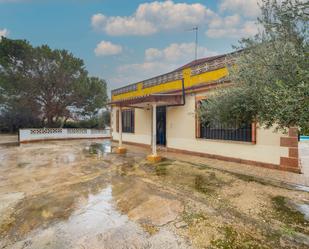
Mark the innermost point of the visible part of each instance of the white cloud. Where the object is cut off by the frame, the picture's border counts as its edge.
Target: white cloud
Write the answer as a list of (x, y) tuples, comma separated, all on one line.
[(245, 29), (107, 48), (122, 25), (153, 54), (150, 18), (228, 21), (244, 7), (176, 52), (4, 33), (144, 70), (131, 73), (233, 26), (153, 17)]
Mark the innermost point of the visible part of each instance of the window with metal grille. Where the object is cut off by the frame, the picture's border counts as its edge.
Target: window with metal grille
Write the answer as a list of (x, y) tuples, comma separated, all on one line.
[(227, 132), (232, 131), (128, 120)]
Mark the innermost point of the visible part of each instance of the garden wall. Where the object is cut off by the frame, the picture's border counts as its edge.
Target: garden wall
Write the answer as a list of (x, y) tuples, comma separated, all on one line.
[(32, 135)]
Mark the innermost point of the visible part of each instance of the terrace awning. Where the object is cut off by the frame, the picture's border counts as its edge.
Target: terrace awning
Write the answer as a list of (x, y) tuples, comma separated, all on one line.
[(149, 100)]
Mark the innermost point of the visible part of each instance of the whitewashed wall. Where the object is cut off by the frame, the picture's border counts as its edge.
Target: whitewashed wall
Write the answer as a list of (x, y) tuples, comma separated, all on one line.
[(142, 130), (28, 135), (180, 134)]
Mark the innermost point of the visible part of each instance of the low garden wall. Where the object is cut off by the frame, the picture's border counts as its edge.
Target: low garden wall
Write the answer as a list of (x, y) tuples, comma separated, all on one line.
[(31, 135)]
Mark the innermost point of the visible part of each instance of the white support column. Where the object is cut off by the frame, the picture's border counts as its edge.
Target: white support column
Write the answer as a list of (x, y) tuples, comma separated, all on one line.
[(154, 129), (120, 127), (154, 157), (120, 149)]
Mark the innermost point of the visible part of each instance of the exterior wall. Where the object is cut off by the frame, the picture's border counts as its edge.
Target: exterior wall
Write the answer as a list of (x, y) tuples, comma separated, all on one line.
[(142, 130), (32, 135), (268, 149), (181, 135)]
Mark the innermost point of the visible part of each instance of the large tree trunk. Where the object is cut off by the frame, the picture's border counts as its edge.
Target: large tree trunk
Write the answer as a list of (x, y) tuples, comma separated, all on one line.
[(50, 121)]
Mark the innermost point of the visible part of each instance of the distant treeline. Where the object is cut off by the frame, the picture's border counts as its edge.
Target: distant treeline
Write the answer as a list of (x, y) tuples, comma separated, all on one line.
[(44, 87)]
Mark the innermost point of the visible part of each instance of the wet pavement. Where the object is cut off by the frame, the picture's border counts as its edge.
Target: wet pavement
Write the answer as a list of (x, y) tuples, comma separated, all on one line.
[(304, 156), (79, 194)]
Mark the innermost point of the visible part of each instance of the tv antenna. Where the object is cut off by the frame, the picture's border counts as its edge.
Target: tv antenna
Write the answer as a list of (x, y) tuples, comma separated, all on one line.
[(196, 39)]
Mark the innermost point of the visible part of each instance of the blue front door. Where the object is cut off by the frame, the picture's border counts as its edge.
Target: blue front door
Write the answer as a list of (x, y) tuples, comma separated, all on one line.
[(161, 125)]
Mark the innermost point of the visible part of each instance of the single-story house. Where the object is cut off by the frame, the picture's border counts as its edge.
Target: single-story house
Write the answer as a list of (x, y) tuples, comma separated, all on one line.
[(161, 111)]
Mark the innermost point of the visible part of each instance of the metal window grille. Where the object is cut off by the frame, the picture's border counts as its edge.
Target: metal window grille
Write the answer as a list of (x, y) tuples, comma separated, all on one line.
[(227, 132), (128, 120), (232, 131)]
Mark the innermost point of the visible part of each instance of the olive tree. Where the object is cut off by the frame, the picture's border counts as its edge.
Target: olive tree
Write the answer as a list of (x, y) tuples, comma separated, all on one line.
[(270, 76)]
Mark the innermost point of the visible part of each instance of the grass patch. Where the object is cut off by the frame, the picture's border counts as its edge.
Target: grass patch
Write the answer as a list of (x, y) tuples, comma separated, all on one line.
[(93, 149), (161, 170), (150, 229), (198, 165), (288, 231), (286, 214), (126, 168), (248, 178), (207, 184), (233, 239), (191, 218), (161, 167)]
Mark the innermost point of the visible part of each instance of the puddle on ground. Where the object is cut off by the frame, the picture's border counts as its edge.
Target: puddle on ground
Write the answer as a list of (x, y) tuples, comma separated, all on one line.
[(304, 209), (99, 149), (144, 203), (95, 224), (78, 194), (302, 188)]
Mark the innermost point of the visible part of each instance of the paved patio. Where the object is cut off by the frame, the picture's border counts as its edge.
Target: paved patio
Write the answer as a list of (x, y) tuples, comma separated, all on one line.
[(263, 173), (81, 194), (266, 174)]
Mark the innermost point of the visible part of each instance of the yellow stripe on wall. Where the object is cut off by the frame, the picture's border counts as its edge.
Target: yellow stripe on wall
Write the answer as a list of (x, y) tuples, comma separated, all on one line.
[(174, 85)]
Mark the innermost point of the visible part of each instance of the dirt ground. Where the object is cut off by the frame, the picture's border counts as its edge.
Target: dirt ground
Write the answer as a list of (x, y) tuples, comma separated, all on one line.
[(79, 194), (8, 138)]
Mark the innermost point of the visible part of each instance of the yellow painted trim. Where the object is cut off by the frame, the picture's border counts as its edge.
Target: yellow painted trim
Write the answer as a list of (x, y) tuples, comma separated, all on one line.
[(189, 81), (121, 150), (154, 158), (209, 76)]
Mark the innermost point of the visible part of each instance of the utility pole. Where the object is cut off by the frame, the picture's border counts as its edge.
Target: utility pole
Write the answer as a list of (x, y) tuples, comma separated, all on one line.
[(196, 40)]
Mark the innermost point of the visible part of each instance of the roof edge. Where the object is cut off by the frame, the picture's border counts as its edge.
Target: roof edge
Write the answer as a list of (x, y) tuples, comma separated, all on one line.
[(188, 65)]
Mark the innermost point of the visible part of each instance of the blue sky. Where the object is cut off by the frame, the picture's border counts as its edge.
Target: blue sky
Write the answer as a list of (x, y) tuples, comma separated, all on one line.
[(124, 41)]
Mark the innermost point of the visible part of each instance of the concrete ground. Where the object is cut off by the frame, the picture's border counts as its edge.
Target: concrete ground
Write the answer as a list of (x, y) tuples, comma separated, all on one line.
[(304, 157), (262, 173), (80, 194), (273, 175)]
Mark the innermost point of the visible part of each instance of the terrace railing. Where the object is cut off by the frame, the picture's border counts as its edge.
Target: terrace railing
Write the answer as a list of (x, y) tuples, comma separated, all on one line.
[(211, 66), (176, 75), (163, 79)]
